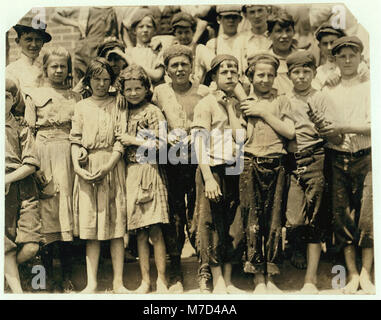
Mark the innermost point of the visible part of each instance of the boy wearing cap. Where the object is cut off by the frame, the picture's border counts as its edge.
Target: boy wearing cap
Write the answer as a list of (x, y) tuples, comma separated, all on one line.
[(22, 220), (305, 217), (228, 41), (257, 38), (216, 187), (184, 27), (27, 69), (262, 182), (177, 100), (328, 73), (351, 164)]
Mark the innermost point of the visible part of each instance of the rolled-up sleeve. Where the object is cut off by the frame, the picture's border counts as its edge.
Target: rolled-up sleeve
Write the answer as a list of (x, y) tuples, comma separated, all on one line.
[(28, 148), (202, 117), (76, 126)]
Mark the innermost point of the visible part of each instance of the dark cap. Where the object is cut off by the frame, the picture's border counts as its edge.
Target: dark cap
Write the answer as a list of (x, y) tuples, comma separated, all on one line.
[(140, 15), (347, 41), (327, 28), (227, 10), (217, 60), (301, 59), (183, 19), (175, 51), (29, 24), (263, 57), (108, 44)]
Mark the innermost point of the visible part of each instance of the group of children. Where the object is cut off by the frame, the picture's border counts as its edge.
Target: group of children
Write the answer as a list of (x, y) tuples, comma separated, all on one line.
[(264, 144)]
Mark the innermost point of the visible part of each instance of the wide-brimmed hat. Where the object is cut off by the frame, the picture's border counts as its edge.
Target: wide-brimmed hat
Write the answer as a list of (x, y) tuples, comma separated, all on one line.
[(30, 24)]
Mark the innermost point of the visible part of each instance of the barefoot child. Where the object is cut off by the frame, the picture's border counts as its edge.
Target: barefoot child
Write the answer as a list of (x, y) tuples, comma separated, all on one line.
[(99, 188), (262, 182), (49, 110), (147, 199), (351, 164), (305, 219), (216, 190), (22, 220)]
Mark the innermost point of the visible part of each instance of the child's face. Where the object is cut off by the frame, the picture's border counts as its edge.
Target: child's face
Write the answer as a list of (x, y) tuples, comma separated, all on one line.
[(9, 102), (145, 30), (302, 77), (227, 76), (179, 70), (263, 78), (31, 44), (100, 84), (134, 91), (184, 35), (325, 45), (282, 37), (117, 63), (230, 23), (257, 15), (57, 69), (348, 60)]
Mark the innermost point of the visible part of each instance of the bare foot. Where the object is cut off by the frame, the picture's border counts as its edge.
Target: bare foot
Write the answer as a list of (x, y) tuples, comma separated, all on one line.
[(234, 290), (272, 288), (161, 286), (177, 288), (220, 288), (89, 289), (309, 288), (353, 285), (143, 288), (365, 282), (122, 290), (260, 289), (298, 259)]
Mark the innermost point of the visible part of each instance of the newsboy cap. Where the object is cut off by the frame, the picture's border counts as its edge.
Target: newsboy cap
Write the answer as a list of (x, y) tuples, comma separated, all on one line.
[(347, 41)]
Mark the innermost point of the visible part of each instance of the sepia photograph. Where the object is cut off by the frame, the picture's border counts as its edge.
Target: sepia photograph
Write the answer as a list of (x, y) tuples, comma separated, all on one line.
[(189, 149)]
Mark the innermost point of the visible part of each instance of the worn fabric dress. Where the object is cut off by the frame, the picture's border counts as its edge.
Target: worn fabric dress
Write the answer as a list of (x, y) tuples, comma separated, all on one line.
[(147, 197), (50, 112), (100, 208)]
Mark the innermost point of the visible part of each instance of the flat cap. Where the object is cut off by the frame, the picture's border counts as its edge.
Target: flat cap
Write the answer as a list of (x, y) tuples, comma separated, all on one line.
[(263, 57), (140, 15), (327, 28), (183, 19), (301, 58), (347, 41), (226, 10)]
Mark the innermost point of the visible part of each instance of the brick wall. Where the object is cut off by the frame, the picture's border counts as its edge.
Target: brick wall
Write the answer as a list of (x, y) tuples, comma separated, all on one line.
[(61, 36)]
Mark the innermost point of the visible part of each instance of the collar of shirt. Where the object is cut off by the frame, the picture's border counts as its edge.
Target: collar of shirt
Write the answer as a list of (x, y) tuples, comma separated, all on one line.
[(305, 94), (269, 96), (350, 82), (293, 49), (224, 36), (29, 61)]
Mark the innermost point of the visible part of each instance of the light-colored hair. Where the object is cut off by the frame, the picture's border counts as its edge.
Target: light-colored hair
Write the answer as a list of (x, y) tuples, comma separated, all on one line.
[(59, 52)]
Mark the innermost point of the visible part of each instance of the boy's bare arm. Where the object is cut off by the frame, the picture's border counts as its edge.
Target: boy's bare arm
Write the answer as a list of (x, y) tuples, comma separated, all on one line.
[(58, 18), (20, 173), (212, 189)]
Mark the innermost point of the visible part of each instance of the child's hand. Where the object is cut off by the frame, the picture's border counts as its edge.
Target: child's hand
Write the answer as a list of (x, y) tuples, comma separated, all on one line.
[(363, 71), (82, 158), (126, 139), (332, 80), (126, 240), (212, 190), (328, 130), (253, 109), (84, 174), (100, 174)]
